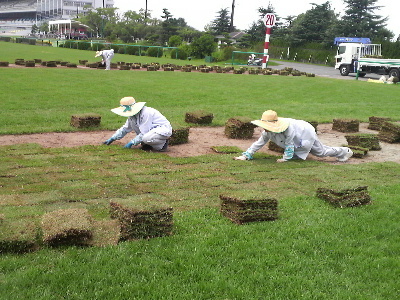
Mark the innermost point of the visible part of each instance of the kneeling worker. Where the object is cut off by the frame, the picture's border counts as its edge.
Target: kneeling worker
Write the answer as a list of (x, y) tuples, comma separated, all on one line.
[(151, 127), (298, 138)]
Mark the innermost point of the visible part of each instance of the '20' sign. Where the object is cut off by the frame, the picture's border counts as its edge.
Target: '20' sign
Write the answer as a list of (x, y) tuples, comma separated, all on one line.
[(269, 20)]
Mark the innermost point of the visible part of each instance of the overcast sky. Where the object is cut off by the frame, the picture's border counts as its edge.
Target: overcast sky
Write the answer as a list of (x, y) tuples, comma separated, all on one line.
[(201, 12)]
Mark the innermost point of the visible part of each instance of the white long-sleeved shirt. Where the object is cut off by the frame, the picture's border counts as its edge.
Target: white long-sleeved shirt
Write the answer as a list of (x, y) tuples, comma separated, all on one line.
[(300, 136), (147, 119)]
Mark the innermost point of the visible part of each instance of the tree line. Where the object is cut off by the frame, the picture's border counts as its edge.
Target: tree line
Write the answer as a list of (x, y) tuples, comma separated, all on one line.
[(317, 26)]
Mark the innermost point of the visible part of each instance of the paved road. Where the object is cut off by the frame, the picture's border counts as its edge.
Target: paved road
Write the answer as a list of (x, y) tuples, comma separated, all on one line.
[(322, 71)]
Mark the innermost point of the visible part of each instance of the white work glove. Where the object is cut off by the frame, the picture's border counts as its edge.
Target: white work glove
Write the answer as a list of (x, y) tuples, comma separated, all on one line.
[(245, 156), (281, 160), (241, 157)]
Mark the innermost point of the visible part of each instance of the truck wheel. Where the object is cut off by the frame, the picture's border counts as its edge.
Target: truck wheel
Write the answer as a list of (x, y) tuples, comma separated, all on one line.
[(344, 70), (394, 73)]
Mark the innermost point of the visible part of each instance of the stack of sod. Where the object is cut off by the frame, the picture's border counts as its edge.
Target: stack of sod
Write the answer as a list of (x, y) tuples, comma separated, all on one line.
[(139, 223), (346, 125), (241, 208), (345, 198), (266, 72), (390, 132), (67, 227), (364, 140), (17, 236), (239, 128), (180, 135), (4, 63), (199, 117), (274, 147), (375, 123), (85, 120), (124, 67)]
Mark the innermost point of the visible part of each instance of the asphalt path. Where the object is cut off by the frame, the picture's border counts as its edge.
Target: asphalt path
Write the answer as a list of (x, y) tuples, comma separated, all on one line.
[(322, 71)]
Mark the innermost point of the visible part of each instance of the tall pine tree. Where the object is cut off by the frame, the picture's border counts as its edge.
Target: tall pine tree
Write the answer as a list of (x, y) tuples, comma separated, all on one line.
[(360, 20)]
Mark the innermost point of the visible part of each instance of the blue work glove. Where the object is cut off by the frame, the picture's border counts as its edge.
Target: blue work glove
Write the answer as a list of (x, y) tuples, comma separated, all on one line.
[(129, 145), (109, 141)]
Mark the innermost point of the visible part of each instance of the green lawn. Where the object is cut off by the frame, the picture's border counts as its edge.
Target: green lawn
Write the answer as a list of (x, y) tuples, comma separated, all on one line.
[(312, 251)]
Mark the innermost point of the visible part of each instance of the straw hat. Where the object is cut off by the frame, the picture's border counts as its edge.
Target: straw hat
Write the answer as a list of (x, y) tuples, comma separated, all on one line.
[(271, 122), (98, 53), (128, 107)]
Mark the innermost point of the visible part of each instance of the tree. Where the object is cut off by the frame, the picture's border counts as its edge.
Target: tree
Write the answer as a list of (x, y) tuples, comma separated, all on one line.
[(222, 22), (360, 20), (314, 25), (101, 20), (203, 46), (256, 32), (174, 41)]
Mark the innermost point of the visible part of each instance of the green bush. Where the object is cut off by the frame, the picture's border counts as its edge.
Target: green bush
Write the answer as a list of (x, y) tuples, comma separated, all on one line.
[(155, 51), (179, 53)]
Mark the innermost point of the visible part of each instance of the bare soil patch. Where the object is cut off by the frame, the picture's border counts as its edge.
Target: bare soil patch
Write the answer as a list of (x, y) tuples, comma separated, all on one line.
[(201, 139)]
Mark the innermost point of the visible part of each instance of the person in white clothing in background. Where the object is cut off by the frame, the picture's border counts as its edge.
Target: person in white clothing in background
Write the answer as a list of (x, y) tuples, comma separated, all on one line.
[(298, 138), (151, 127), (106, 56)]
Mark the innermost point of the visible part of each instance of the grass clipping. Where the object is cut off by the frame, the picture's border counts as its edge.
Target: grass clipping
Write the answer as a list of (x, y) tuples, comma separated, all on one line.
[(67, 227), (248, 208), (141, 223), (345, 198)]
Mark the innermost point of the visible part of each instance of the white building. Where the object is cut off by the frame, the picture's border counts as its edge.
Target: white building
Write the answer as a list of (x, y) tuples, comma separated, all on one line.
[(35, 11)]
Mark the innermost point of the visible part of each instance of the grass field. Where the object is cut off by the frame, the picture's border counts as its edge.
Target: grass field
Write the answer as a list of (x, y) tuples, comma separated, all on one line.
[(313, 250)]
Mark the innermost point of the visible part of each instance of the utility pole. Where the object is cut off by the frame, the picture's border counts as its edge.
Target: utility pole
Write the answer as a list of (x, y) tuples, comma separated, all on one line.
[(232, 13)]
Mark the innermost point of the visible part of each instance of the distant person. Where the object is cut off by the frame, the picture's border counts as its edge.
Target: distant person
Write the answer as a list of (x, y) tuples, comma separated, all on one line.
[(298, 138), (151, 127), (106, 55)]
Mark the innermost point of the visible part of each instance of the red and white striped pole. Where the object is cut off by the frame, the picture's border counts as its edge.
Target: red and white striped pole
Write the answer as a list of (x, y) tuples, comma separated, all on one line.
[(269, 20)]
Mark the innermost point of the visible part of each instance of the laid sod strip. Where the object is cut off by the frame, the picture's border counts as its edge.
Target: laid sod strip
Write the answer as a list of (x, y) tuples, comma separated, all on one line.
[(199, 117), (226, 149), (364, 140), (67, 227), (18, 236), (345, 198), (375, 123), (141, 223), (105, 233), (346, 125), (242, 209), (239, 128), (390, 132)]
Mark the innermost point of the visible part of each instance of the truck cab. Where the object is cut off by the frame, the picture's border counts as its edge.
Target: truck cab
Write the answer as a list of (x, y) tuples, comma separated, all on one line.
[(348, 55)]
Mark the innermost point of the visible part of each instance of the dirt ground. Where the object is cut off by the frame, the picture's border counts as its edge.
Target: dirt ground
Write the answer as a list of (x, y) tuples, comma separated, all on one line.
[(201, 139)]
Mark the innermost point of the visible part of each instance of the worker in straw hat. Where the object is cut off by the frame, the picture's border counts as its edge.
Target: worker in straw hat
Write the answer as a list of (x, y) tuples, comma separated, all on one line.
[(151, 127), (298, 138), (106, 56)]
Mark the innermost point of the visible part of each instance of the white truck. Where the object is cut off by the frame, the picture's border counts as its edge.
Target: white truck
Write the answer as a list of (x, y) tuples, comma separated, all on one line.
[(363, 57)]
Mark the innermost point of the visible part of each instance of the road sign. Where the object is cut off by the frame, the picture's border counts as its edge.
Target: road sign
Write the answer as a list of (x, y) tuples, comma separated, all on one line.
[(269, 20)]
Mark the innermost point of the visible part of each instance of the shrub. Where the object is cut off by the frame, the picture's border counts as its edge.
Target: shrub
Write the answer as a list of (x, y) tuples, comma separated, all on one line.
[(154, 51)]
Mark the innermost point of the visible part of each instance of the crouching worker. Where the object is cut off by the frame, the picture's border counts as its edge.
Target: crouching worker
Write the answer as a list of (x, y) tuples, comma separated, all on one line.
[(151, 127), (298, 138), (106, 56)]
